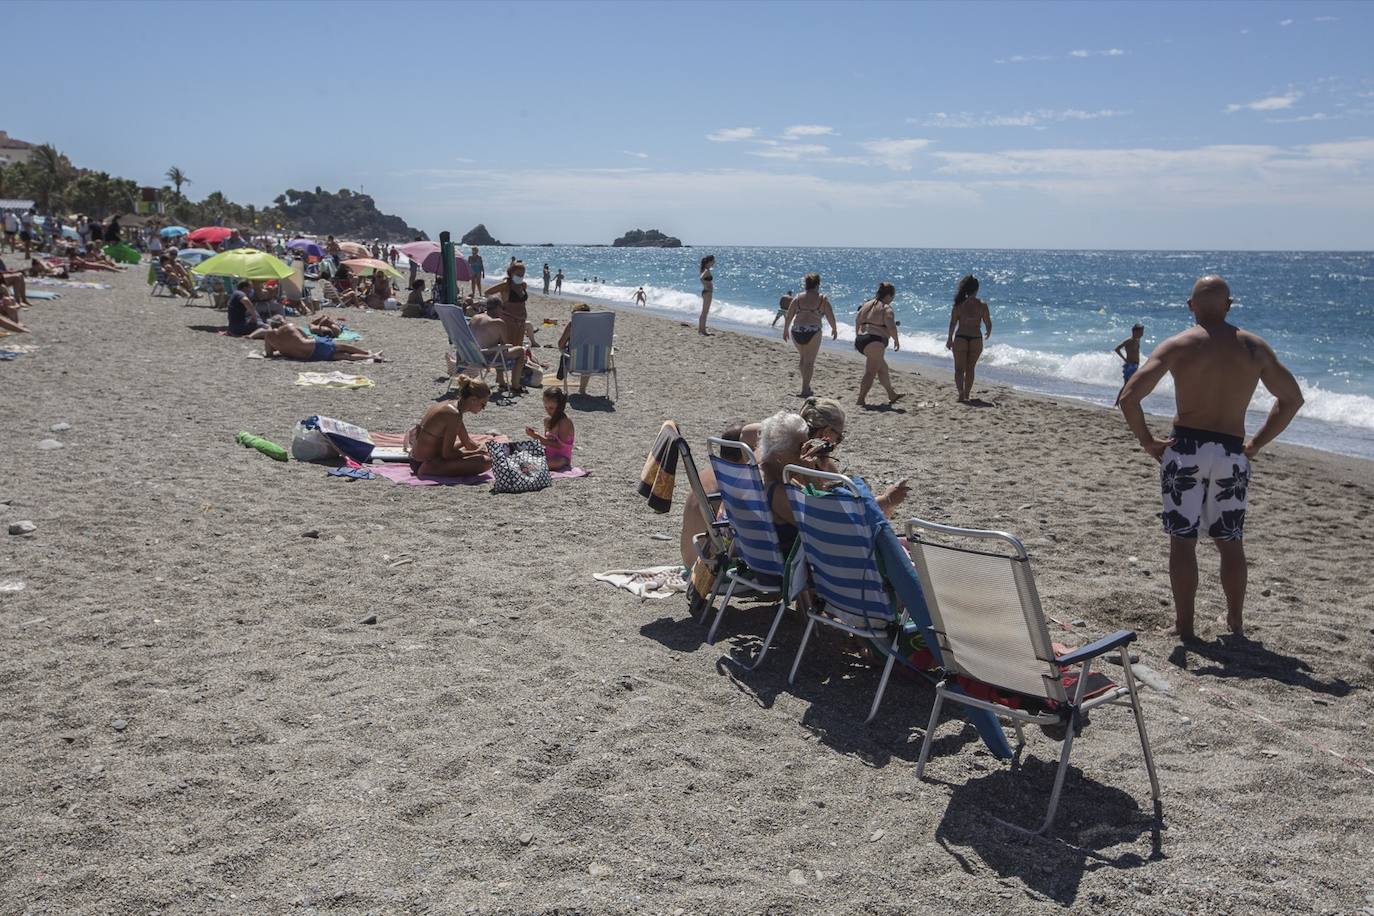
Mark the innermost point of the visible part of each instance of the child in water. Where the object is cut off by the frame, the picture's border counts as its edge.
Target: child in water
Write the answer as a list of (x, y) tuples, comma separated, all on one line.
[(558, 430), (1129, 351)]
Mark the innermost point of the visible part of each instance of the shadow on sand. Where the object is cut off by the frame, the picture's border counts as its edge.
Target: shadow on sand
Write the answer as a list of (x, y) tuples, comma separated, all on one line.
[(1238, 657)]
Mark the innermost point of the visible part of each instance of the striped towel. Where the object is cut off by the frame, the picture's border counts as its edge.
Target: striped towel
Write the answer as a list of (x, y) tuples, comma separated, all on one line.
[(660, 469)]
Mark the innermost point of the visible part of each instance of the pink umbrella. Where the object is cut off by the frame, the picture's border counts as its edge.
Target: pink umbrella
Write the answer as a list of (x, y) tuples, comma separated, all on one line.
[(426, 254)]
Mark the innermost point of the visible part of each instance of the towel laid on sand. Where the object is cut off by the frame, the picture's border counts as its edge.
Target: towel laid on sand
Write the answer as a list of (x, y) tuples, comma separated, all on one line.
[(333, 380), (69, 284), (654, 582), (41, 294), (347, 334), (660, 469), (401, 473)]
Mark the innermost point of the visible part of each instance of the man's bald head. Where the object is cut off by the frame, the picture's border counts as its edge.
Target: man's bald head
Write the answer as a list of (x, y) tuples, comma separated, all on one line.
[(1211, 299)]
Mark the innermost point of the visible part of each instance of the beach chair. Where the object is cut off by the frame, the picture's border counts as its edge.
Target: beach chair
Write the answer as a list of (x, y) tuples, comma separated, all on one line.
[(713, 544), (467, 353), (759, 560), (981, 594), (590, 350), (159, 281)]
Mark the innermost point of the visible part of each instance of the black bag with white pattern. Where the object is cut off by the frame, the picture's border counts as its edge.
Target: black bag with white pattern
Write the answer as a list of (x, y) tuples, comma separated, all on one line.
[(519, 467)]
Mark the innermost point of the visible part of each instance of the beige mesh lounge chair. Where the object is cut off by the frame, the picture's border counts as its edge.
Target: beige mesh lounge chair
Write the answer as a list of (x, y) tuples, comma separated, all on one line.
[(991, 630)]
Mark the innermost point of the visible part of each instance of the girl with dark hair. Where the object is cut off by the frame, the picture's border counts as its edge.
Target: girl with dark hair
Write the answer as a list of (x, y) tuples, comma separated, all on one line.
[(803, 326), (557, 438), (874, 328), (707, 291), (964, 337)]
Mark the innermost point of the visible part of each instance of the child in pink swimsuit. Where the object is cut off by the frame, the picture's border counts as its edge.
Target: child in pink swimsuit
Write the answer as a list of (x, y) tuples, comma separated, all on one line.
[(557, 438)]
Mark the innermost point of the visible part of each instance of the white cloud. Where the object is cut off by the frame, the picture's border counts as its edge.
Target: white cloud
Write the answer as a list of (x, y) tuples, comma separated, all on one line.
[(1316, 116), (1285, 22), (797, 131), (1106, 52), (895, 154), (1041, 116), (730, 134), (791, 151), (637, 155), (1024, 58), (1325, 19), (1269, 103)]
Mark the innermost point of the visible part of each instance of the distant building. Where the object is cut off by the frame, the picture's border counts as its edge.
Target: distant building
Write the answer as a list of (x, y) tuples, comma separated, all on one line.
[(13, 151), (148, 202)]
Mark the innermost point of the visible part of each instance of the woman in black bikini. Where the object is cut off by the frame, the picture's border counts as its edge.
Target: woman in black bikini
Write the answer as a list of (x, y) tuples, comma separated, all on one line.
[(708, 286), (514, 296), (874, 328), (964, 337), (803, 326)]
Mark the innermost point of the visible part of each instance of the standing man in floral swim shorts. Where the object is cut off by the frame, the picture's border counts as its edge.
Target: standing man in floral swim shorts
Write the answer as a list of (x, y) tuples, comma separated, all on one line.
[(1205, 464)]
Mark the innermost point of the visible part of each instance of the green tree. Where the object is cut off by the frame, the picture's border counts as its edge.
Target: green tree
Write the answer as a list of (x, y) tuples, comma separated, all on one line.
[(178, 178), (49, 173)]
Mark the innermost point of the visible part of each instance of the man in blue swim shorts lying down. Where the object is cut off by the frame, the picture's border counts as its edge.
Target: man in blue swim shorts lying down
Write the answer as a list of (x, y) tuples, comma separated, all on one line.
[(285, 339)]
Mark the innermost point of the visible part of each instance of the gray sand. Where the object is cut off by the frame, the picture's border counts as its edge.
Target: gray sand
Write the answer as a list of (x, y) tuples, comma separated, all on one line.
[(194, 720)]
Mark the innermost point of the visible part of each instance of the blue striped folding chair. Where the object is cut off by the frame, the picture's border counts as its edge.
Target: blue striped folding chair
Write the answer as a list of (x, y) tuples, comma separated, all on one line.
[(590, 350), (467, 352), (759, 561)]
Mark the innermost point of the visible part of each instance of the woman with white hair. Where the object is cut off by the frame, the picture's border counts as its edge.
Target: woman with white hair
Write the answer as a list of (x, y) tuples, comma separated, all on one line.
[(780, 443)]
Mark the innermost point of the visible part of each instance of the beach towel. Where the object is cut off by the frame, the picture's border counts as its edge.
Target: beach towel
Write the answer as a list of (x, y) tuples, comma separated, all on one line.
[(654, 582), (346, 335), (8, 355), (402, 474), (68, 284), (660, 469), (20, 347), (40, 294), (333, 380)]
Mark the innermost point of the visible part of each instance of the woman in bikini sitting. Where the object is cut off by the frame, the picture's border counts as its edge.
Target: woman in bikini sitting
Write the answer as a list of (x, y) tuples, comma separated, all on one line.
[(964, 337), (803, 326), (440, 445), (874, 328)]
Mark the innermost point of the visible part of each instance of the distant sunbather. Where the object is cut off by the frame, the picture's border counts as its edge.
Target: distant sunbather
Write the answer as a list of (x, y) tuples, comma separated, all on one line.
[(9, 314), (41, 268), (325, 326), (286, 339), (441, 446)]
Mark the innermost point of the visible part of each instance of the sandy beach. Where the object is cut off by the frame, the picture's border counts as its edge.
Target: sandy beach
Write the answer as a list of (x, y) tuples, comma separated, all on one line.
[(196, 720)]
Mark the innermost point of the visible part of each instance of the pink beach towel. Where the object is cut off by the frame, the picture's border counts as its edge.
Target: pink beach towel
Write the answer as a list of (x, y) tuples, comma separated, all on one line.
[(401, 473)]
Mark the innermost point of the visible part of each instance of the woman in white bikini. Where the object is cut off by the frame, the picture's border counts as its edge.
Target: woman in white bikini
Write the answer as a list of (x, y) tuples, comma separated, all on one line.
[(964, 337), (874, 328), (707, 291), (803, 326)]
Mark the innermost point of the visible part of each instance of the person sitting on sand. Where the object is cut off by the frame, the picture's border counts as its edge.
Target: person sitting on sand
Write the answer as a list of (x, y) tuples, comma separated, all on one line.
[(440, 445), (285, 339), (415, 306), (803, 326), (964, 337), (243, 316), (14, 279), (1129, 351), (874, 328), (9, 313), (1205, 463), (380, 295), (557, 437)]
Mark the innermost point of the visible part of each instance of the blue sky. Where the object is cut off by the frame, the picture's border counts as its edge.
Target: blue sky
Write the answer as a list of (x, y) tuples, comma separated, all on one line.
[(1113, 125)]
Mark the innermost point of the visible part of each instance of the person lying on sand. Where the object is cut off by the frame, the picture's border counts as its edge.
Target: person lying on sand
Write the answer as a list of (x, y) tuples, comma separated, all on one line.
[(90, 261), (284, 338), (440, 444), (41, 268), (1205, 463), (325, 326)]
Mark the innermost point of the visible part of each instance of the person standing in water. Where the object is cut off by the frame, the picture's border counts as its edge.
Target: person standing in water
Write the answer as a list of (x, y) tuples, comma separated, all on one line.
[(558, 282), (874, 327), (476, 271), (707, 291), (803, 326), (1129, 351), (514, 294), (547, 278), (1205, 463), (784, 303), (641, 299), (964, 337)]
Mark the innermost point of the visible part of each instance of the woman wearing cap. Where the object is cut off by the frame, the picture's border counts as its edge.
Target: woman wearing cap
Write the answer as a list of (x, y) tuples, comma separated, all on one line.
[(514, 295), (803, 326), (874, 328)]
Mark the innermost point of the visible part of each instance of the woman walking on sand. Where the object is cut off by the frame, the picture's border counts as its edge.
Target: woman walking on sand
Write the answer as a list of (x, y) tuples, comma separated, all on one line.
[(803, 326), (707, 291), (874, 328), (964, 337)]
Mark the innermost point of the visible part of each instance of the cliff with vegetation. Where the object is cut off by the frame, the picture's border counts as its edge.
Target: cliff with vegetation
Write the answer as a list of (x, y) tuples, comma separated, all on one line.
[(478, 235), (639, 238), (346, 213)]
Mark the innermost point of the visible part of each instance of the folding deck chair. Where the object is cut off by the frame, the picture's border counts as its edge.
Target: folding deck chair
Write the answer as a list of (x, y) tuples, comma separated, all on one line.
[(590, 350), (712, 545), (467, 353), (991, 630), (759, 559)]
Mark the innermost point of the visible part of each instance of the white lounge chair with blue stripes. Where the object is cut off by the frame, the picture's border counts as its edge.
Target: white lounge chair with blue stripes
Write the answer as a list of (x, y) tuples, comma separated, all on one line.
[(991, 630), (590, 349), (759, 561), (467, 353)]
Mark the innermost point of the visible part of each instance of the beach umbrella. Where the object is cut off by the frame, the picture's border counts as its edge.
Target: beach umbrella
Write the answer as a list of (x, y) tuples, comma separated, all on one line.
[(371, 266), (306, 246), (69, 233), (195, 255), (210, 235), (123, 253), (247, 263), (171, 232), (354, 250), (426, 254)]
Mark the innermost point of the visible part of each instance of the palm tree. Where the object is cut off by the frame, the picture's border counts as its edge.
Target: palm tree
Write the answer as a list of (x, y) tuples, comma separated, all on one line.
[(177, 177), (50, 170)]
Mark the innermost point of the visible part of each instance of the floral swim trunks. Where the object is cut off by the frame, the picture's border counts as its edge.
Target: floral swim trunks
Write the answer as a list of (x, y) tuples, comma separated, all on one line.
[(1204, 477)]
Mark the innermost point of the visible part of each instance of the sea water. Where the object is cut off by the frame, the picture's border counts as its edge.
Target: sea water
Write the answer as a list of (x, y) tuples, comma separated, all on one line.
[(1056, 314)]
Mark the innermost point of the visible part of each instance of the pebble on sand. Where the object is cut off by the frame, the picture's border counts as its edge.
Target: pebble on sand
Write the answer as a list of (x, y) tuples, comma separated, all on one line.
[(23, 527), (119, 725), (312, 533), (48, 445), (59, 427), (369, 619)]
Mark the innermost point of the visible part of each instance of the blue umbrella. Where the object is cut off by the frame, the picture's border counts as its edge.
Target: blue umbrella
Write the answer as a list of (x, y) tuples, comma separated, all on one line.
[(168, 232), (195, 255), (69, 233), (306, 246)]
